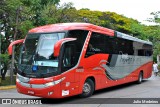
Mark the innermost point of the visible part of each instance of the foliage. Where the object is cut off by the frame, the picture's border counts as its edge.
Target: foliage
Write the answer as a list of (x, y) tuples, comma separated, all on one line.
[(59, 14), (4, 61), (156, 18), (154, 33), (29, 14), (4, 58)]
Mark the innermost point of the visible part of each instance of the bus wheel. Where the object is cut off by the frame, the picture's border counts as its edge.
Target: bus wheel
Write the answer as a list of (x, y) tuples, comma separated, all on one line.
[(88, 88), (140, 78)]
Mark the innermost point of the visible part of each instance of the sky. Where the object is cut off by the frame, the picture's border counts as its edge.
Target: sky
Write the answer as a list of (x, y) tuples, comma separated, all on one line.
[(136, 9)]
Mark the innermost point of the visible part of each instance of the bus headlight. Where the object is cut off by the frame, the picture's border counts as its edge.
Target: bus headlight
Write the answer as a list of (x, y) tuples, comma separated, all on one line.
[(17, 80), (49, 84), (54, 82), (22, 79)]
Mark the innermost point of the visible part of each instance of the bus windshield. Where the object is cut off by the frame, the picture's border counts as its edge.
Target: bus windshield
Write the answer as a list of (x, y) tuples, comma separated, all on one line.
[(36, 58)]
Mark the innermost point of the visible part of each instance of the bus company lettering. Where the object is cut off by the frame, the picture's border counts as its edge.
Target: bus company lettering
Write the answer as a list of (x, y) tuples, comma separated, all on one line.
[(127, 59)]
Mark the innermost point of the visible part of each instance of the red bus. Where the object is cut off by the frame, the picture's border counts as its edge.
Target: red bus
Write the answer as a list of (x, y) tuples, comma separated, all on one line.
[(61, 60)]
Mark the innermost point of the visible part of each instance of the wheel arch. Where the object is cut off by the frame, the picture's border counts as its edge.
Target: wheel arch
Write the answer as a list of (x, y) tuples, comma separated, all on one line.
[(141, 71), (93, 79), (140, 77)]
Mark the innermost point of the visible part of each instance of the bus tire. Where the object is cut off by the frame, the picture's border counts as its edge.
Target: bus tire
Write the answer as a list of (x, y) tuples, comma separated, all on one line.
[(88, 88), (140, 78)]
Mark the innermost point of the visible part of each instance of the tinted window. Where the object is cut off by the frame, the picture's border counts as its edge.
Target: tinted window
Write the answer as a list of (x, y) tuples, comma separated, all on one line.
[(141, 49), (72, 50), (100, 43), (96, 44), (124, 46)]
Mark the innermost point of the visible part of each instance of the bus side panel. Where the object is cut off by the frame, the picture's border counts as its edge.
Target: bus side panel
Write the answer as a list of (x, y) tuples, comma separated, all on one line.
[(107, 82), (147, 70), (70, 85), (92, 68)]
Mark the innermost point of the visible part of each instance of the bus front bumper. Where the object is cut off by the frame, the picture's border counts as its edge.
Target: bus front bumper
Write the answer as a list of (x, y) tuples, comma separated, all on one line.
[(48, 92)]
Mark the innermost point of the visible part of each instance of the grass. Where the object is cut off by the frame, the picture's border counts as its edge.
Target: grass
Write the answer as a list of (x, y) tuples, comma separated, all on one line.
[(7, 81)]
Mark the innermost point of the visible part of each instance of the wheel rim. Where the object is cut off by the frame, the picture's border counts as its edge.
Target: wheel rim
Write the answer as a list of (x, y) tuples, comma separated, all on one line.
[(86, 88), (140, 78)]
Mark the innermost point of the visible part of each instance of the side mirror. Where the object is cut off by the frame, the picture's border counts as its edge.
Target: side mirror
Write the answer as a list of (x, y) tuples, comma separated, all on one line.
[(59, 43), (12, 44)]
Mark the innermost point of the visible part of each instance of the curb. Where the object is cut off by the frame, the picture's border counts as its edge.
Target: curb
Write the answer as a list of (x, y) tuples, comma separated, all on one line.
[(7, 87)]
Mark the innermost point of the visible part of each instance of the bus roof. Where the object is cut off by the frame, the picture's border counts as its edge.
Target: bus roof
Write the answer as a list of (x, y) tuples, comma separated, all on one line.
[(83, 26), (71, 26), (128, 37)]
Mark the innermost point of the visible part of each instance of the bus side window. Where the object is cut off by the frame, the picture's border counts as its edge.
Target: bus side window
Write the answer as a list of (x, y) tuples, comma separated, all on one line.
[(96, 45), (101, 44), (70, 56), (72, 49)]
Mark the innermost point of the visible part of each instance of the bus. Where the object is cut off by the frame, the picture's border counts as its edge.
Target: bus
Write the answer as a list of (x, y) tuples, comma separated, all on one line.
[(67, 59)]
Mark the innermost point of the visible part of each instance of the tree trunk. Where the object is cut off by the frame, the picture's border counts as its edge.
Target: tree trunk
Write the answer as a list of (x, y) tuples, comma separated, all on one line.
[(4, 71)]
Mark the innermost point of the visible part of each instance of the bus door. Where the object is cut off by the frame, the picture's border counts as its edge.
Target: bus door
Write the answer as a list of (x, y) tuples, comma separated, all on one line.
[(69, 62)]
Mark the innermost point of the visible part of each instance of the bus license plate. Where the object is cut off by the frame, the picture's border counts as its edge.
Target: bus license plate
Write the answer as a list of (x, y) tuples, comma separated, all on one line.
[(30, 92)]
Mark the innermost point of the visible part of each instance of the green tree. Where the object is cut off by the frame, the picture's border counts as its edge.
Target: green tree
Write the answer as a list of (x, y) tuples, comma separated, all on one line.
[(59, 14), (156, 17), (154, 33), (35, 8), (4, 64)]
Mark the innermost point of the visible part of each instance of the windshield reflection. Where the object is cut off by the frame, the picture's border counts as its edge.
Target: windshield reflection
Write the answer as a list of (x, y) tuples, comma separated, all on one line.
[(38, 51)]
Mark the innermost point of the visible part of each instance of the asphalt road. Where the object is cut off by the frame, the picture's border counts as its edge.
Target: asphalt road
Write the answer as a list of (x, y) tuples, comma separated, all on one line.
[(102, 98)]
